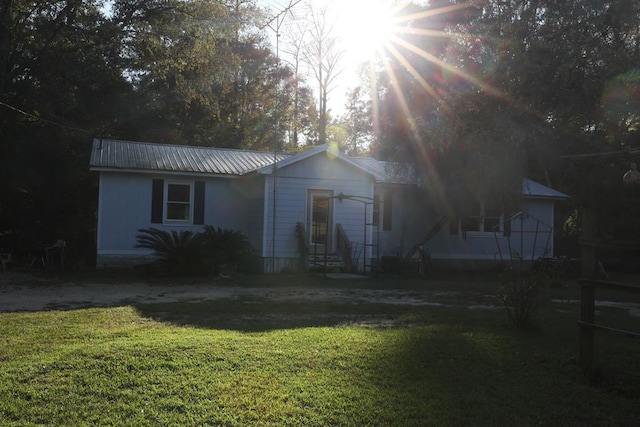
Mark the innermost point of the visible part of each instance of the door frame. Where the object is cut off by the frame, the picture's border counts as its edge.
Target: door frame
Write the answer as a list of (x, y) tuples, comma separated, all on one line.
[(316, 194)]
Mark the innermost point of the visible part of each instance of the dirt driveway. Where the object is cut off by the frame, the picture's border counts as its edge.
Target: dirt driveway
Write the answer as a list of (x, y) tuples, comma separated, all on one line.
[(23, 295)]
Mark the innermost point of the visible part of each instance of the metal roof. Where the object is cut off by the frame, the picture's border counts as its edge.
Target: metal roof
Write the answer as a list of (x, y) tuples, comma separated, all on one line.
[(535, 189), (129, 155), (108, 154), (115, 154)]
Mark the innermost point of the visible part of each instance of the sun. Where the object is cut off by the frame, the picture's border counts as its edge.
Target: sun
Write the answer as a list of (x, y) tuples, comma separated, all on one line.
[(364, 26)]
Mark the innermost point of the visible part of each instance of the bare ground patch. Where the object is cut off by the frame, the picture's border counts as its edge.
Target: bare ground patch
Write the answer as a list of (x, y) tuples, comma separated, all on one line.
[(20, 293)]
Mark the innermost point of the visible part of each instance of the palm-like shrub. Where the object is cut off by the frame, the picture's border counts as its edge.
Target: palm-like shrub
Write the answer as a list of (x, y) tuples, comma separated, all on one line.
[(224, 247), (178, 253), (186, 252)]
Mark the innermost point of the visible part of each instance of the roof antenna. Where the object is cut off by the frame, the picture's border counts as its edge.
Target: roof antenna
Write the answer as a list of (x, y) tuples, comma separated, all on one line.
[(275, 23)]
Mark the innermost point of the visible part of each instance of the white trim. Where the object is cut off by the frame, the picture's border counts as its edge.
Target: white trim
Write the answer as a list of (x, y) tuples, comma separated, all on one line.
[(165, 172), (265, 215), (99, 211), (485, 234), (165, 202), (481, 222), (330, 212), (534, 190), (125, 252)]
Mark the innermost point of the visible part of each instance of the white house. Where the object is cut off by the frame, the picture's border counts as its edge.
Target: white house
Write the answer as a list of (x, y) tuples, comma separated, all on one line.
[(360, 208), (488, 237)]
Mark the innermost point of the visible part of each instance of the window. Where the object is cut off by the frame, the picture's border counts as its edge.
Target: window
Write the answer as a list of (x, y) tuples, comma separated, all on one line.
[(491, 219), (177, 202), (179, 197), (483, 218)]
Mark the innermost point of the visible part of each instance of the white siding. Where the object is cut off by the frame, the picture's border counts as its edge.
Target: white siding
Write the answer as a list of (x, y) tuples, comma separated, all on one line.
[(125, 207), (410, 220), (531, 237), (292, 184)]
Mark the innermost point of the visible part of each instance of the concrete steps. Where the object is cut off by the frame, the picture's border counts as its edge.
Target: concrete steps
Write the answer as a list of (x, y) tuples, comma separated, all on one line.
[(333, 262)]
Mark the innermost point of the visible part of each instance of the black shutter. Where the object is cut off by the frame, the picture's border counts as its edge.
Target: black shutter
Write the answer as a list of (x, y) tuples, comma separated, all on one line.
[(198, 203), (507, 227), (387, 218), (454, 223), (157, 201)]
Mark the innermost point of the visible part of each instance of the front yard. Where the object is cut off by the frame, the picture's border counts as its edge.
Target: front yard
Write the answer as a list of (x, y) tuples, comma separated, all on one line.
[(444, 357)]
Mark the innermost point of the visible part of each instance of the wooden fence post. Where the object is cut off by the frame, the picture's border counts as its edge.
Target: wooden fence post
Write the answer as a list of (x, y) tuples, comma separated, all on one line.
[(587, 318), (587, 290)]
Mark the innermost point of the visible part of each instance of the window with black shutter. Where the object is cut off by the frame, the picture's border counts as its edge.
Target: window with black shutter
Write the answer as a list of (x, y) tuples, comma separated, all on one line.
[(176, 202), (157, 201)]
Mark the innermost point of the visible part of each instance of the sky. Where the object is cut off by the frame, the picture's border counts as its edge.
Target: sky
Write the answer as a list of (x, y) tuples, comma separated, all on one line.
[(360, 24)]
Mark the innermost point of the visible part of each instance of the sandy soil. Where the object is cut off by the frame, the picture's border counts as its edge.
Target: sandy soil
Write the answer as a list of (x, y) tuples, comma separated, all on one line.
[(18, 294)]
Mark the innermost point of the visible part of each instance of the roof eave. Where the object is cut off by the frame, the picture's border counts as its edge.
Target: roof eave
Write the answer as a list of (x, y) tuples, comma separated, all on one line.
[(160, 171)]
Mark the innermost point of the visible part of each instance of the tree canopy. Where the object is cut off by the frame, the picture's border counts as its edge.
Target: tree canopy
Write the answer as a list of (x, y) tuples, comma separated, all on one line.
[(481, 93), (197, 72)]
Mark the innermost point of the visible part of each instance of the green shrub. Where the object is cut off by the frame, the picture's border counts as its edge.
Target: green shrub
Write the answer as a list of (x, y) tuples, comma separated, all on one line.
[(178, 253), (225, 247), (187, 252), (522, 295)]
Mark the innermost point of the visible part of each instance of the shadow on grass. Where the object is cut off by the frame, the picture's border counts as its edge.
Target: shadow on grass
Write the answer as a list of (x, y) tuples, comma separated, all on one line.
[(480, 373), (257, 315), (469, 376)]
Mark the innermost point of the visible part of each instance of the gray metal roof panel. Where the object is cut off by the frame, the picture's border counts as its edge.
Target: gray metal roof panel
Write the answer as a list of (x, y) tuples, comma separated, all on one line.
[(534, 189), (114, 154)]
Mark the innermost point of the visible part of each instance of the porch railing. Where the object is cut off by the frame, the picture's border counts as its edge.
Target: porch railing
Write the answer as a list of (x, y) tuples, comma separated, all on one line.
[(343, 246)]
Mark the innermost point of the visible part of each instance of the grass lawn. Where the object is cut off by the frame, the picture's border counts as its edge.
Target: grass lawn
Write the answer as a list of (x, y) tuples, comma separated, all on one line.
[(256, 362)]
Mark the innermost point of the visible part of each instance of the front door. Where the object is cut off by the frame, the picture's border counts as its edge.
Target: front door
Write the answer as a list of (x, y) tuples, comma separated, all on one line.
[(320, 220)]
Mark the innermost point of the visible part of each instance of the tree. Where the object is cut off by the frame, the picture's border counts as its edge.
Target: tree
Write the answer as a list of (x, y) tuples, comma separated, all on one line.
[(196, 72), (294, 50), (357, 122), (323, 55), (433, 114), (521, 80), (205, 75), (60, 83)]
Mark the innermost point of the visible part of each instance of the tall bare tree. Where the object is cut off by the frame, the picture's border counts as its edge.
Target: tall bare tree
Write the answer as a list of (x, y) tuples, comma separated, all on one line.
[(295, 44), (323, 54)]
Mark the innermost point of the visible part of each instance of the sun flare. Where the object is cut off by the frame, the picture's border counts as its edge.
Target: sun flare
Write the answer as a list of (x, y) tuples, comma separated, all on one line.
[(365, 26)]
